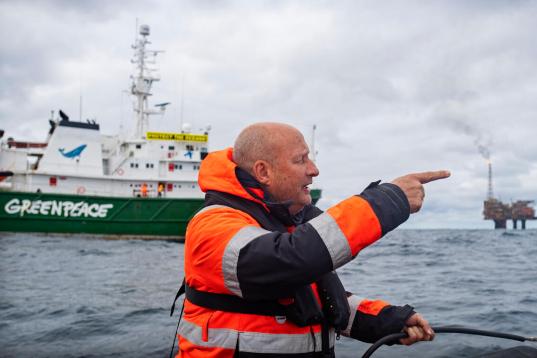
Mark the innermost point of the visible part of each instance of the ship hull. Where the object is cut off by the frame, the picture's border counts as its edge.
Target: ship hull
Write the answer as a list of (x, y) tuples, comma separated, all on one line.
[(110, 216), (77, 214)]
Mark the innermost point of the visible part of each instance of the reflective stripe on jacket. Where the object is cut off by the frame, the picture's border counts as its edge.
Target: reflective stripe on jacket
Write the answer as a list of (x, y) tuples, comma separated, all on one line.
[(235, 246)]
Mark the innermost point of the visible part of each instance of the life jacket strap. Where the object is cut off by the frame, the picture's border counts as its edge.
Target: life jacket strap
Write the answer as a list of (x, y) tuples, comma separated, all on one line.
[(229, 303), (179, 294)]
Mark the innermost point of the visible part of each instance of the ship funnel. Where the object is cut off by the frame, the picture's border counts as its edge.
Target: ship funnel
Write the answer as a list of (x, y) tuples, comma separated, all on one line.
[(144, 30)]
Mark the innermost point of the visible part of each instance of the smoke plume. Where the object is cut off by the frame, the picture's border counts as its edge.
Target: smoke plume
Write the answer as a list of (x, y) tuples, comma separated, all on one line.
[(484, 151), (453, 114)]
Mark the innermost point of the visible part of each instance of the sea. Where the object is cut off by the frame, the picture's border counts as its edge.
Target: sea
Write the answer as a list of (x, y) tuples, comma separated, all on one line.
[(90, 297)]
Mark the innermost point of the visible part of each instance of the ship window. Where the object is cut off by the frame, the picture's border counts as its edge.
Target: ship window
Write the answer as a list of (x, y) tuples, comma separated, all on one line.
[(189, 147), (132, 165), (180, 167), (171, 147), (138, 146), (136, 165)]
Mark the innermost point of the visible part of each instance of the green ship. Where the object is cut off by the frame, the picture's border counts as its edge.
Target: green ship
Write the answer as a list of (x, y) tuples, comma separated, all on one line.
[(159, 218), (142, 184)]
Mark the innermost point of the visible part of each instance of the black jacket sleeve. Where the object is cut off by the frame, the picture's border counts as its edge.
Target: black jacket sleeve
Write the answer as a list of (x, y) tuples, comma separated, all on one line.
[(370, 328)]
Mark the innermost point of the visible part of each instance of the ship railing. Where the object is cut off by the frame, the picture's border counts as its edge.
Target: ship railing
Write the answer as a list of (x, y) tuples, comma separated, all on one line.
[(150, 193)]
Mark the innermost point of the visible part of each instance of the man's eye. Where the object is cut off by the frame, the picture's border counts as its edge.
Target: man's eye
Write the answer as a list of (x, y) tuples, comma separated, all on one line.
[(300, 160)]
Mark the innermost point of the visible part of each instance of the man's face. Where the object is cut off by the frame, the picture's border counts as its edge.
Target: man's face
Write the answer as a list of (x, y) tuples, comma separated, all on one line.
[(292, 173)]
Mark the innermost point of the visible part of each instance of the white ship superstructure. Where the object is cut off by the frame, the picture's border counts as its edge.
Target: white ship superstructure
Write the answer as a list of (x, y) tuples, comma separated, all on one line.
[(77, 159)]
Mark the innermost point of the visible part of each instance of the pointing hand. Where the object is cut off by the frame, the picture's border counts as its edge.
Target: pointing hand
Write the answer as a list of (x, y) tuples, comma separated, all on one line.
[(412, 186)]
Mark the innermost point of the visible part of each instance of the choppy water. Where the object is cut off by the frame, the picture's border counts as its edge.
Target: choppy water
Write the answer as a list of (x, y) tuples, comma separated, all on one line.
[(83, 297)]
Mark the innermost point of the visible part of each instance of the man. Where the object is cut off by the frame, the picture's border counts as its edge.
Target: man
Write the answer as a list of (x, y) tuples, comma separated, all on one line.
[(143, 190), (260, 259)]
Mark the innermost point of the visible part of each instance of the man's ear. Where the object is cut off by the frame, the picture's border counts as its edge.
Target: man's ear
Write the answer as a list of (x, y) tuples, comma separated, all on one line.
[(262, 172)]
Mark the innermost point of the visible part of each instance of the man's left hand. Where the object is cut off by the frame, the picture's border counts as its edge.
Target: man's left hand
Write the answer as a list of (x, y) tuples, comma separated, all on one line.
[(418, 329)]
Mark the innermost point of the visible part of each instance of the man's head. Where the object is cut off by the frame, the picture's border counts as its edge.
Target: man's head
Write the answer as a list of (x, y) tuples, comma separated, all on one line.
[(277, 156)]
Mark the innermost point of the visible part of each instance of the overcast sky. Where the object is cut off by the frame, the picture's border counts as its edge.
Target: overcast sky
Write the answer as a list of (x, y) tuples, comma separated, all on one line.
[(393, 87)]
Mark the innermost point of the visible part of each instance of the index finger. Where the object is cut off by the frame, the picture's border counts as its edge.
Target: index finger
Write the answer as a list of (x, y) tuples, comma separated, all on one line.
[(426, 177)]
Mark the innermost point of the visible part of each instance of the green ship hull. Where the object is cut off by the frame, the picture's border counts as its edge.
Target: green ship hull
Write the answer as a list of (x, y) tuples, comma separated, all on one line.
[(108, 216), (74, 214)]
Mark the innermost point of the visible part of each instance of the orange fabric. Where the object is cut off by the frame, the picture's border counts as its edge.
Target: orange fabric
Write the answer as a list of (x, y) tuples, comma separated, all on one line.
[(205, 243), (357, 221), (217, 172), (372, 307)]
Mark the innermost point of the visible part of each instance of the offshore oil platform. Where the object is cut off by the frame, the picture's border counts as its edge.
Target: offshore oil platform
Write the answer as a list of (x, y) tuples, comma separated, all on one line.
[(499, 212)]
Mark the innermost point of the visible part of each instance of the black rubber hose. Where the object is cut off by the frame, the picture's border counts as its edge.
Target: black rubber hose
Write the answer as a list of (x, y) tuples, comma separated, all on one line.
[(447, 329)]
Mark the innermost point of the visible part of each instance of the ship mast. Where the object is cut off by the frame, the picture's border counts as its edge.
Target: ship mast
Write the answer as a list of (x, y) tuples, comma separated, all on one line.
[(313, 152), (142, 81)]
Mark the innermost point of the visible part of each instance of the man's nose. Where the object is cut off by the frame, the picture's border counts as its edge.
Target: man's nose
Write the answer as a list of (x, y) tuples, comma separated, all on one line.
[(312, 169)]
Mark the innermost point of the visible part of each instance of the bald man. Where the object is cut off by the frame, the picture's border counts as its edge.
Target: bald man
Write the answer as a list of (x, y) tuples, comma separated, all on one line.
[(260, 259)]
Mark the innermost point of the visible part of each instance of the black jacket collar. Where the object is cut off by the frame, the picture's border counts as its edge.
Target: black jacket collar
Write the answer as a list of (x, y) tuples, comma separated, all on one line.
[(278, 209)]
